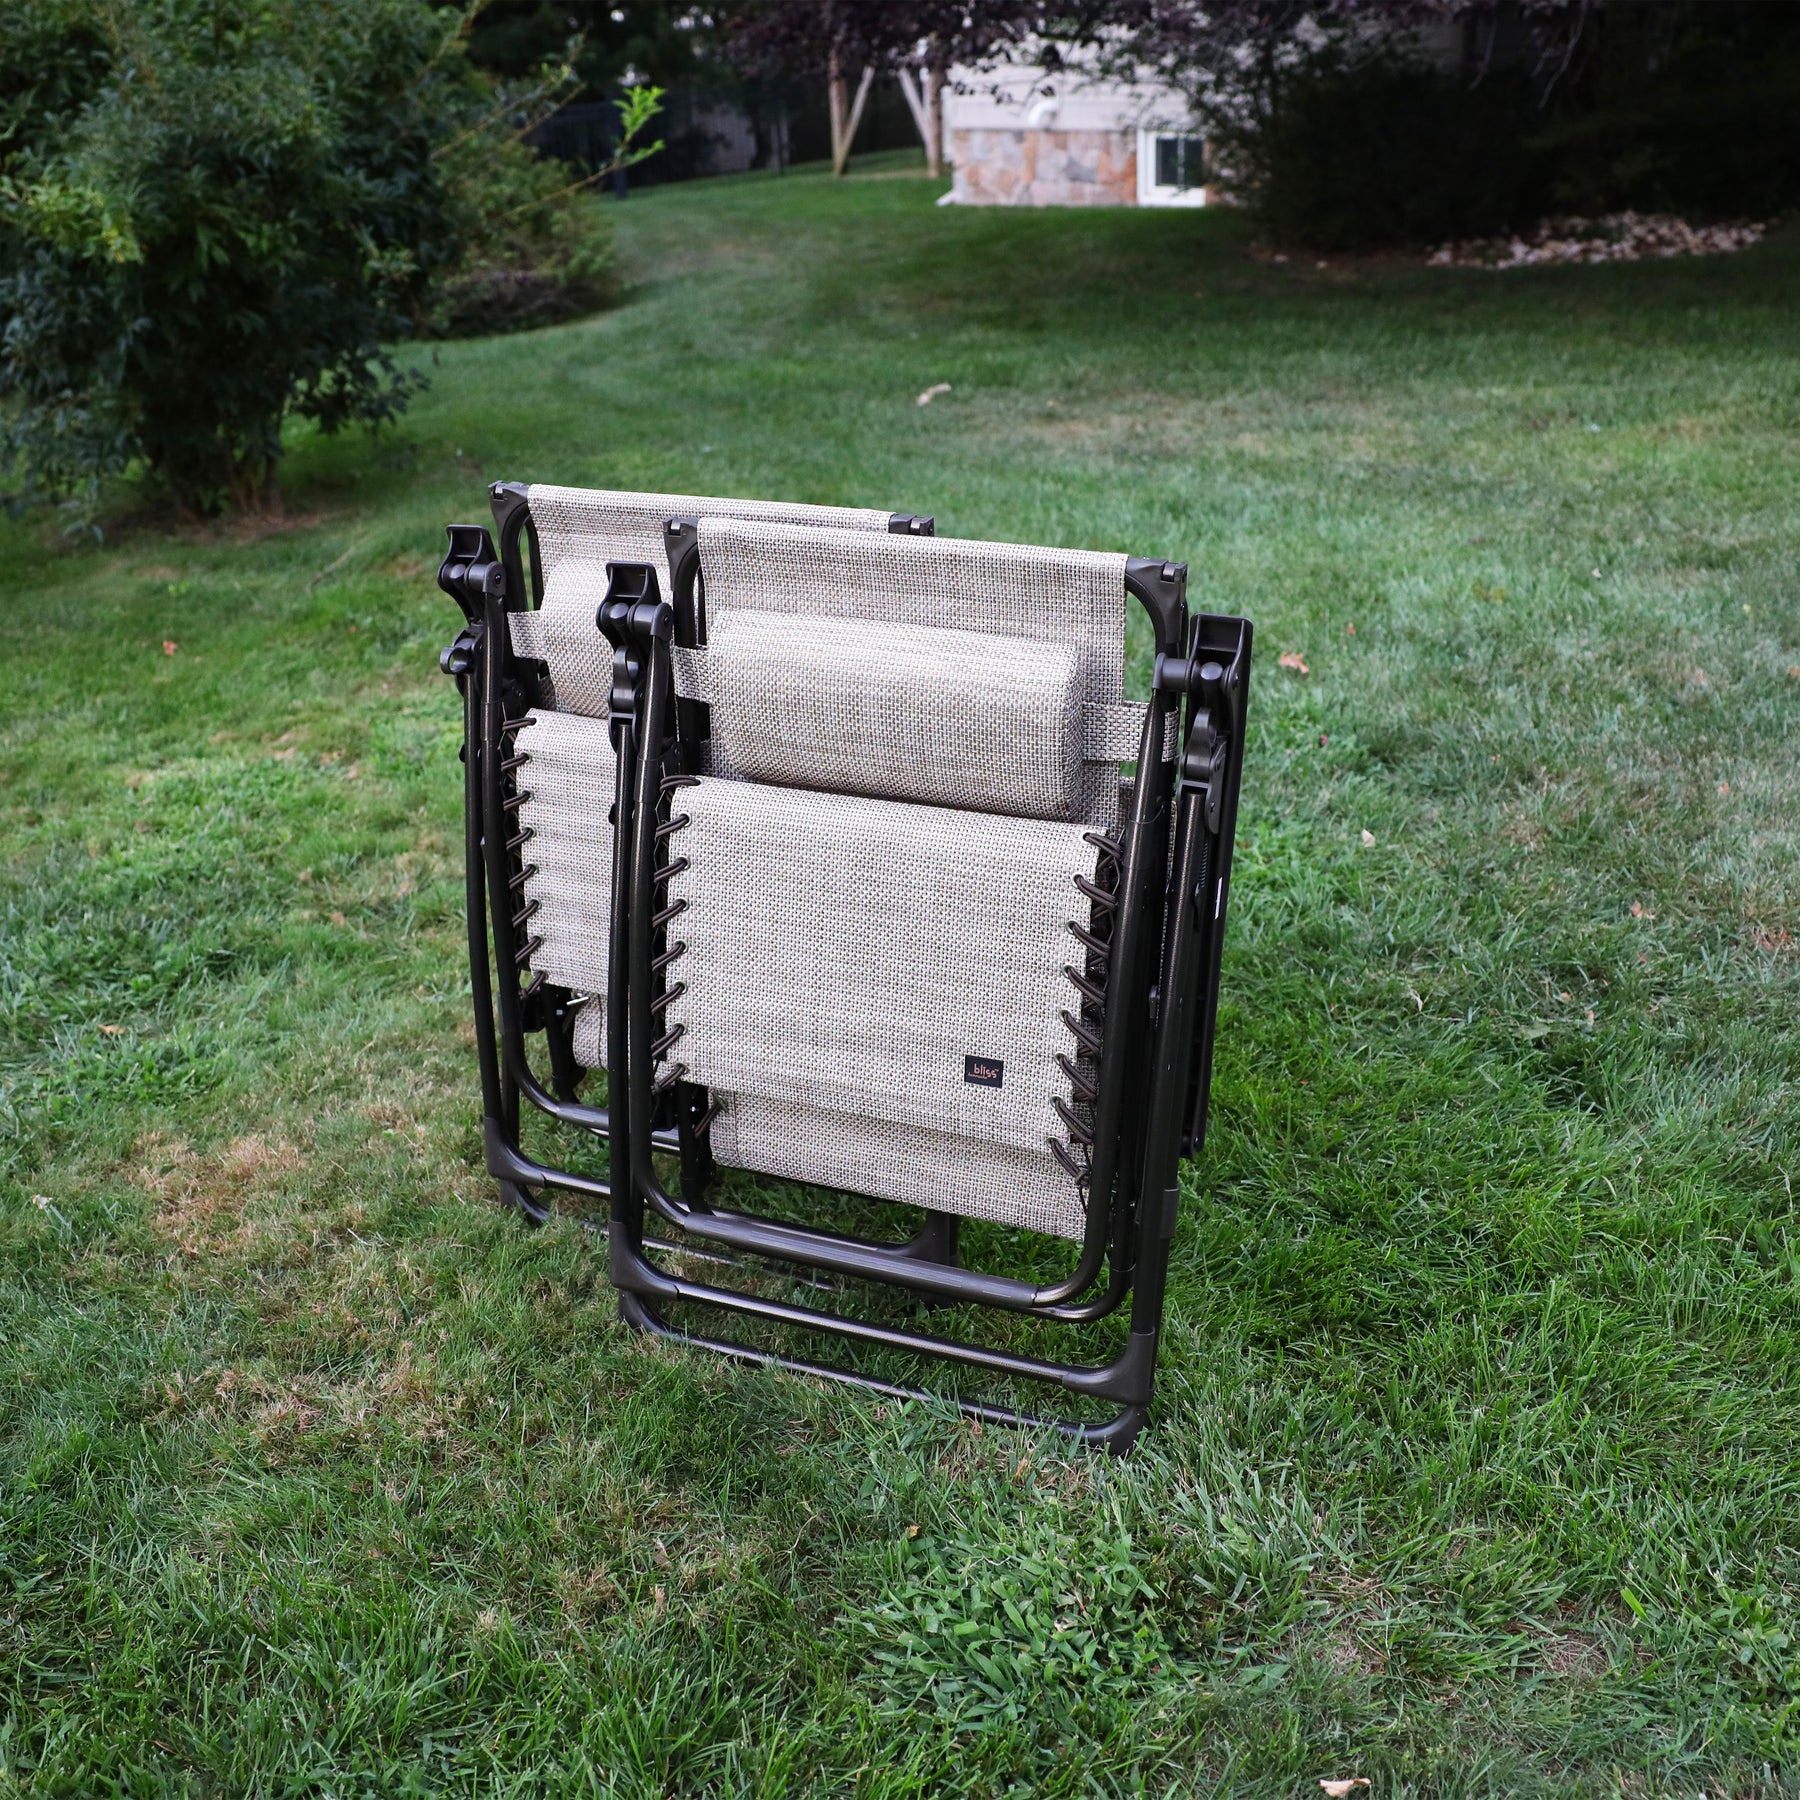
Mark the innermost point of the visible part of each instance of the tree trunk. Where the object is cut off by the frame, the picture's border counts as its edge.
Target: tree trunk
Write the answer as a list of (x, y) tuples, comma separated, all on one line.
[(922, 98), (843, 128), (840, 111)]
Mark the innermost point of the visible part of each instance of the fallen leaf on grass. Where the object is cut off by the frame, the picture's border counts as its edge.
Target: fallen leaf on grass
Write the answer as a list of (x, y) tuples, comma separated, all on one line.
[(112, 1030), (1338, 1789), (170, 646), (1724, 787), (1368, 838), (932, 392), (47, 1206), (1292, 659), (337, 918)]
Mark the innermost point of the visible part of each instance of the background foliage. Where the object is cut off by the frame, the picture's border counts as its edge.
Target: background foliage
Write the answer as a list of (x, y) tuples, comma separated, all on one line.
[(215, 214), (1358, 124)]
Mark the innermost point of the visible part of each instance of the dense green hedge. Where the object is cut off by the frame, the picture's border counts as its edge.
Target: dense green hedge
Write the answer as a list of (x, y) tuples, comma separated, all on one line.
[(1700, 116), (219, 214)]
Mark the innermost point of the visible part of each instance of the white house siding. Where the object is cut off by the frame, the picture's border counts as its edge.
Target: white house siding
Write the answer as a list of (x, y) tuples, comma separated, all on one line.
[(1020, 137)]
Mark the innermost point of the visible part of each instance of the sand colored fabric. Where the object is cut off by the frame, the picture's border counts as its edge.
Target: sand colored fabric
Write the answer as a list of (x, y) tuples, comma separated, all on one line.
[(1070, 597), (580, 530), (956, 718), (882, 961), (898, 1162), (569, 778)]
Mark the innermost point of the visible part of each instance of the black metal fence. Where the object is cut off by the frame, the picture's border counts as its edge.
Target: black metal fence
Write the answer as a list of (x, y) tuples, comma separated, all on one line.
[(726, 130)]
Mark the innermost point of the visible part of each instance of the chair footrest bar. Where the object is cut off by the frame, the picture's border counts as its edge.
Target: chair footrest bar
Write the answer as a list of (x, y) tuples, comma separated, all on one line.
[(1126, 1379), (851, 1256), (897, 1265), (1115, 1435)]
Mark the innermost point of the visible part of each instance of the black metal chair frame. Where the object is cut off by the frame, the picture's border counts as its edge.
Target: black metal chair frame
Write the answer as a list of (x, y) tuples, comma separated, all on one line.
[(1154, 975)]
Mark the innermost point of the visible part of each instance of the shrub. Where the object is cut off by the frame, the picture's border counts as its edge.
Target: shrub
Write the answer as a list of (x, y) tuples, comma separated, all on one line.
[(215, 213), (222, 215), (1702, 119), (1352, 138), (536, 248), (1359, 157)]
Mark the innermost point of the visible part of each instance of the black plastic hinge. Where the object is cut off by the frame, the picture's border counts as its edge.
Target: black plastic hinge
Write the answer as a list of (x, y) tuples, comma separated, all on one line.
[(681, 545), (534, 1009), (511, 504), (471, 570), (912, 525), (1162, 587), (458, 656), (628, 586)]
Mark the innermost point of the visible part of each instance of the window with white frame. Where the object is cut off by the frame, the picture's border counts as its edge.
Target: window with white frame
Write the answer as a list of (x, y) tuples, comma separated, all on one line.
[(1171, 169)]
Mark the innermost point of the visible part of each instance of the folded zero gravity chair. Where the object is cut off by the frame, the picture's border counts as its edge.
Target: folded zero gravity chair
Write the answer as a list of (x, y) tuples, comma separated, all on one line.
[(807, 827)]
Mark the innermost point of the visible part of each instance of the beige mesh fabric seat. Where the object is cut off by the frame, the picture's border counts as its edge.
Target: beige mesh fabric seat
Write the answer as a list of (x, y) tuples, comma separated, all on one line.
[(828, 862), (576, 532), (837, 1022)]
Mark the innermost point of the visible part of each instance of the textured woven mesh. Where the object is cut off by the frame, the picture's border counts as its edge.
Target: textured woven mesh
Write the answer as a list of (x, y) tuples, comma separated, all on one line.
[(570, 780), (590, 1034), (1008, 590), (852, 956), (579, 531), (847, 956), (958, 718), (898, 1162)]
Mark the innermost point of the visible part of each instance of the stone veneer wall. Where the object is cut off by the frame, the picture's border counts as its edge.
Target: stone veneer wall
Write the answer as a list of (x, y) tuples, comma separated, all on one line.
[(1044, 168)]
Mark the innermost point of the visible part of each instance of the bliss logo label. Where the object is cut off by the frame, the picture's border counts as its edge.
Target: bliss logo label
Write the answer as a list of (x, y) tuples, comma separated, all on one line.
[(983, 1071)]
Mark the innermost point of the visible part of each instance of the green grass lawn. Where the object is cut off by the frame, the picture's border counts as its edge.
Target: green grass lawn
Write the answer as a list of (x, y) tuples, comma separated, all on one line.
[(1476, 1465)]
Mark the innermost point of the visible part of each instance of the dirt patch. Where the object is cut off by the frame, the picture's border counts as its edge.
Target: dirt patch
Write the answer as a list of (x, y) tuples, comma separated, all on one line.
[(1350, 1643), (1573, 1655), (202, 1199), (1522, 828), (1348, 1653)]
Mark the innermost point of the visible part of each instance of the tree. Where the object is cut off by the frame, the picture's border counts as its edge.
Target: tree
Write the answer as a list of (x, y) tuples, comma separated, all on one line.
[(217, 213), (1342, 133), (611, 44), (917, 40)]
